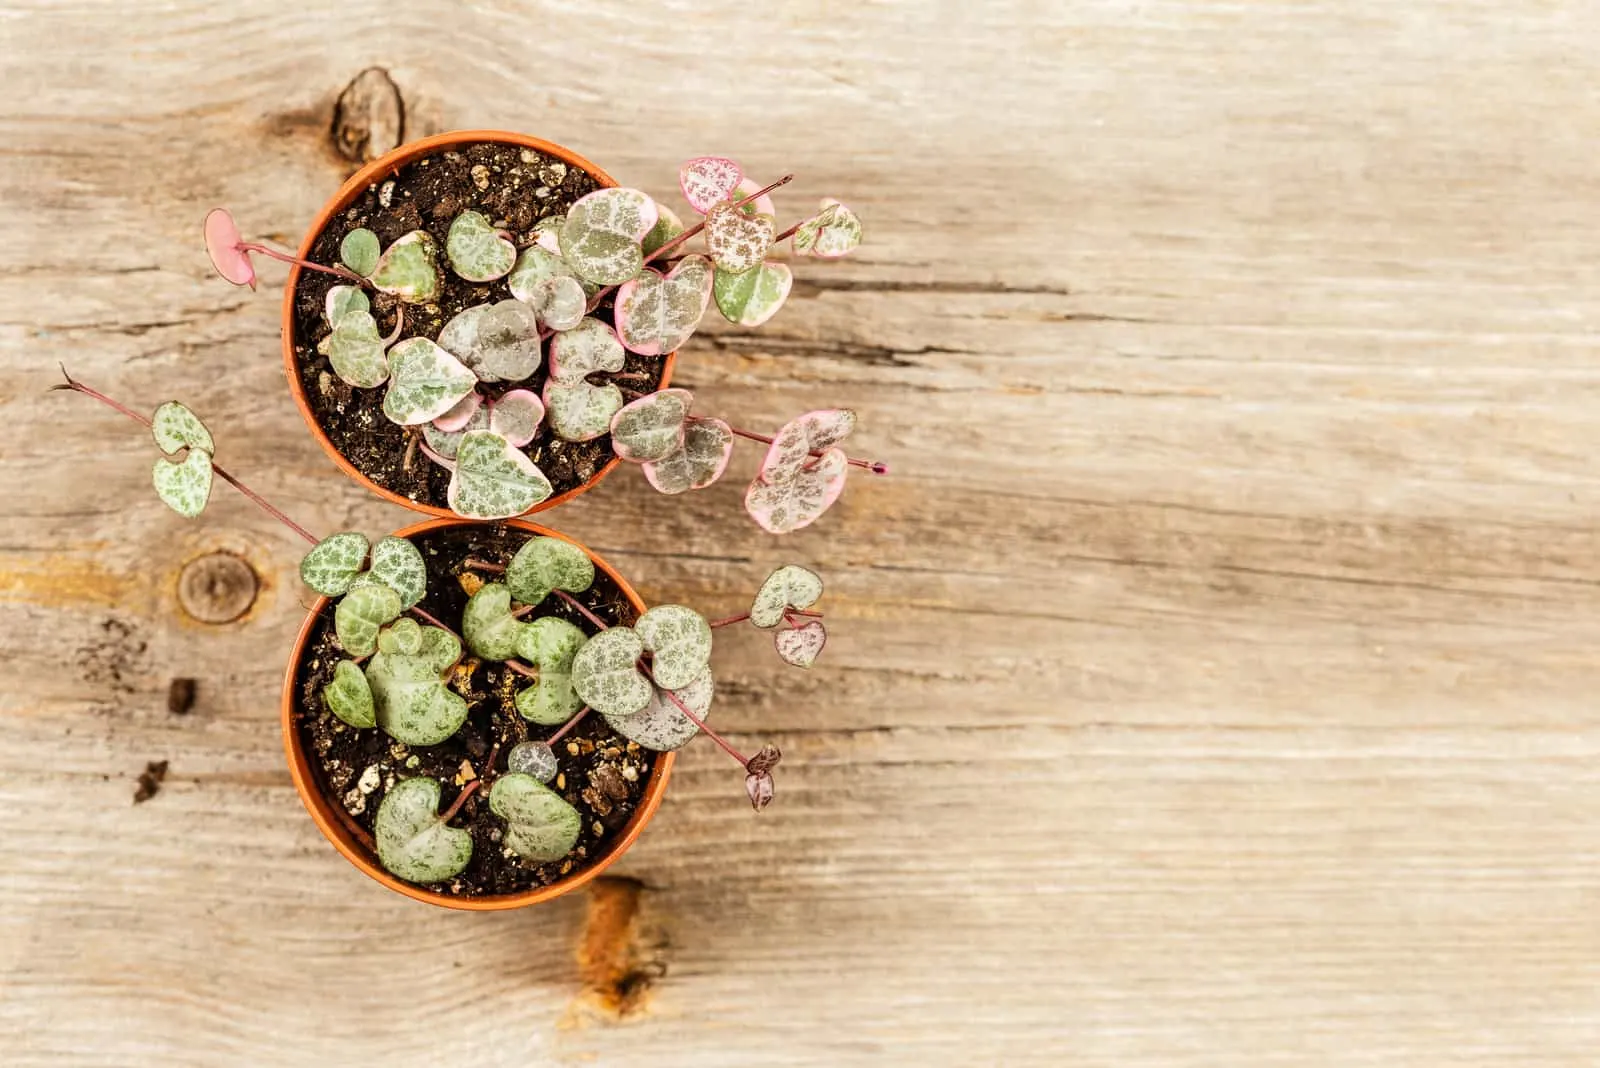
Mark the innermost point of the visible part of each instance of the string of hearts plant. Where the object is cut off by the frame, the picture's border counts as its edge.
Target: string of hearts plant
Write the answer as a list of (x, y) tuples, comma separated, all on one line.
[(465, 393), (651, 681)]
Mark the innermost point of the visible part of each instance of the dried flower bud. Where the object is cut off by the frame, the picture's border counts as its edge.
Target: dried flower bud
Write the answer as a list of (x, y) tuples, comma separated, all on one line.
[(758, 780), (764, 761)]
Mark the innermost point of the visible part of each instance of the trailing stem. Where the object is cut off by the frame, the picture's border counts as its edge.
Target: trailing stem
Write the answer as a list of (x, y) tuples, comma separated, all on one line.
[(284, 257), (566, 727), (877, 467), (461, 799)]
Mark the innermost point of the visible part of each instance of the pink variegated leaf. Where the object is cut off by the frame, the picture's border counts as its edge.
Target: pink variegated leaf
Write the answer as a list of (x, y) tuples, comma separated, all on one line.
[(803, 435), (516, 416), (833, 232), (761, 205), (657, 313), (800, 646), (700, 461), (458, 417), (222, 244), (796, 498), (737, 242), (708, 180), (651, 428), (588, 347)]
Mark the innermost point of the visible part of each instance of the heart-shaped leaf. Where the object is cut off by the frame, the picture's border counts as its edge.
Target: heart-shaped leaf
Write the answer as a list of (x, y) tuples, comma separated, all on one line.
[(457, 418), (349, 697), (660, 724), (651, 428), (493, 479), (797, 499), (398, 564), (440, 649), (334, 562), (679, 641), (516, 416), (425, 381), (708, 180), (477, 251), (533, 758), (559, 303), (488, 626), (657, 313), (581, 412), (359, 250), (588, 347), (754, 296), (445, 442), (356, 350), (359, 616), (831, 233), (403, 636), (700, 461), (540, 826), (547, 235), (737, 242), (413, 842), (790, 586), (407, 269), (541, 262), (667, 227), (800, 645), (761, 205), (342, 300), (606, 673), (184, 486), (600, 240), (412, 703), (222, 245), (795, 442), (499, 342), (544, 564), (176, 427), (550, 644)]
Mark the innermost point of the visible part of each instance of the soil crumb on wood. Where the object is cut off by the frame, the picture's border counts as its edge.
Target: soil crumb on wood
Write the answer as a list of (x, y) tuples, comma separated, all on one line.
[(602, 774), (150, 781), (514, 187)]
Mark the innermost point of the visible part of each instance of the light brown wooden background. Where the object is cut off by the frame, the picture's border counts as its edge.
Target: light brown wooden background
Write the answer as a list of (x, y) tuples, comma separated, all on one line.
[(1213, 684)]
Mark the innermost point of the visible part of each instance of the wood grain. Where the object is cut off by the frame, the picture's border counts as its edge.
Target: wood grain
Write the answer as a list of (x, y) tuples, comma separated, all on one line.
[(1212, 684)]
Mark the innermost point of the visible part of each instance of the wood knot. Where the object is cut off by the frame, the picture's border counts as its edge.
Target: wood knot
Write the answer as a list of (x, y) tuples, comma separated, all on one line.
[(217, 588), (617, 961), (369, 118)]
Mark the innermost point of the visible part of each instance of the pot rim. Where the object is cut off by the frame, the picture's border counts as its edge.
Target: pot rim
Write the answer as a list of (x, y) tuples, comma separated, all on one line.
[(333, 823), (357, 183)]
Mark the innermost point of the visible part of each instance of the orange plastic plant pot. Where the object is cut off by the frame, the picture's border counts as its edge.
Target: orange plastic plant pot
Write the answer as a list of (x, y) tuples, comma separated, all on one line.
[(375, 171), (337, 826)]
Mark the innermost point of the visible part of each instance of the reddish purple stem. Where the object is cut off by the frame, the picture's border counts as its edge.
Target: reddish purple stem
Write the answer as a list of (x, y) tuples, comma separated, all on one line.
[(284, 257), (877, 467), (730, 620), (582, 608)]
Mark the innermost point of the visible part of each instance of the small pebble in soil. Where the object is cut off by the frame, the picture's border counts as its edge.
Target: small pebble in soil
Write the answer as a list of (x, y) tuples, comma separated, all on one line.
[(630, 773), (369, 779), (355, 802), (180, 696), (150, 780), (480, 176), (386, 194)]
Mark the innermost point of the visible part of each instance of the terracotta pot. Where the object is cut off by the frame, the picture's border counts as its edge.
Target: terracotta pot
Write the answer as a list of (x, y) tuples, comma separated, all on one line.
[(336, 825), (354, 187)]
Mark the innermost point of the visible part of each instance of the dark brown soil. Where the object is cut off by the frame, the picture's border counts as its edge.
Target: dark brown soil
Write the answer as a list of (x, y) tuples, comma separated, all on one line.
[(521, 186), (602, 774)]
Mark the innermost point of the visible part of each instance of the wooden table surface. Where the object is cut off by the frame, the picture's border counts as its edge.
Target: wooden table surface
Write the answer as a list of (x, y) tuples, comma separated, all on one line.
[(1212, 684)]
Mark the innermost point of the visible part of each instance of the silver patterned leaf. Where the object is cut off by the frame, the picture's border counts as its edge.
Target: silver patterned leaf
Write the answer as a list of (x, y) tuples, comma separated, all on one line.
[(349, 697), (478, 251), (657, 313), (798, 498), (699, 462), (516, 416), (800, 646), (600, 239), (360, 250), (708, 181), (790, 586), (425, 381), (679, 641), (488, 626), (651, 428), (661, 724), (581, 412), (407, 269), (398, 563), (737, 241), (413, 842), (411, 701), (493, 479), (543, 564), (833, 232), (550, 644), (184, 486), (175, 428), (499, 342), (754, 296), (540, 825), (606, 673), (334, 562), (360, 614)]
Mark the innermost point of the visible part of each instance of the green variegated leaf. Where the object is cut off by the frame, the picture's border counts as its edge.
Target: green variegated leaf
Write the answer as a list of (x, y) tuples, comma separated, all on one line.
[(660, 724), (544, 564), (588, 347), (559, 303), (606, 673), (831, 233), (667, 227), (477, 251), (679, 641), (413, 842), (600, 239), (176, 427), (411, 701), (581, 412), (550, 644), (342, 300), (440, 649), (493, 479), (359, 251), (790, 586), (700, 461), (657, 313), (445, 442), (540, 262), (488, 626), (399, 564), (349, 697), (651, 428), (184, 486), (752, 297), (334, 562), (408, 269), (499, 342), (540, 825), (356, 350), (425, 381), (737, 242), (360, 614), (403, 636)]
